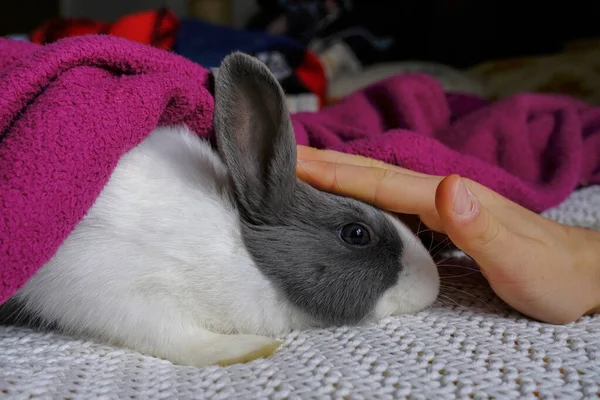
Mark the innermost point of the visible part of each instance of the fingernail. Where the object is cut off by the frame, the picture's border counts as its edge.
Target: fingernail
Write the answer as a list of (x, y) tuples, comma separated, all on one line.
[(464, 204)]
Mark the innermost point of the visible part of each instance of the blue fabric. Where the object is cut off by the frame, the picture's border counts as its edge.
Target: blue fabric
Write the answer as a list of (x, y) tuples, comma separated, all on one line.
[(207, 44), (20, 36)]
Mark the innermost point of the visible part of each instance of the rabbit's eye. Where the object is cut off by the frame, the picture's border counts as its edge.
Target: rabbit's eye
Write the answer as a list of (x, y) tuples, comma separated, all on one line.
[(355, 234)]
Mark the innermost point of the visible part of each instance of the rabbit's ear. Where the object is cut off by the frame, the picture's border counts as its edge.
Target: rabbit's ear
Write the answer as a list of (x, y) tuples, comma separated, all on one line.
[(254, 134)]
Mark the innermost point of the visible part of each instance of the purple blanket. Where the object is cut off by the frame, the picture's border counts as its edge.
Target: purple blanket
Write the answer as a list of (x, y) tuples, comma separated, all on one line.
[(70, 110), (532, 148)]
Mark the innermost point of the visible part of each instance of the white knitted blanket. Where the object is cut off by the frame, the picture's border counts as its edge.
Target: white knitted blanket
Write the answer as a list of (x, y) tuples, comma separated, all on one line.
[(471, 346)]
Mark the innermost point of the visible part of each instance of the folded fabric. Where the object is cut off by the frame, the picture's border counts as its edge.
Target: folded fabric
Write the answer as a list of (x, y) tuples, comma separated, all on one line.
[(69, 110), (534, 149)]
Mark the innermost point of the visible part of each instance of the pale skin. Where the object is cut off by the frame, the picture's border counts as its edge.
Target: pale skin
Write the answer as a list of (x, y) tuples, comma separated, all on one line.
[(545, 270)]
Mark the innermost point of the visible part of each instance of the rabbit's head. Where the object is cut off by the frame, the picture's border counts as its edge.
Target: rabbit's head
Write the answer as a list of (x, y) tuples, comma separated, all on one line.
[(337, 259)]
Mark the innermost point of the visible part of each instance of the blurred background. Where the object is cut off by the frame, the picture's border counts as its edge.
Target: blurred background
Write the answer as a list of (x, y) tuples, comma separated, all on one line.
[(323, 50)]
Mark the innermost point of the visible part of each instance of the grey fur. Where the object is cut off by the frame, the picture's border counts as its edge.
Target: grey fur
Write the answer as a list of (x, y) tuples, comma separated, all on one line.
[(291, 229)]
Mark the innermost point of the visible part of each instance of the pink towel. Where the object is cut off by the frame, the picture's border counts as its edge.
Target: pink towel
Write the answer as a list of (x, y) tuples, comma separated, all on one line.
[(532, 148), (68, 112), (71, 109)]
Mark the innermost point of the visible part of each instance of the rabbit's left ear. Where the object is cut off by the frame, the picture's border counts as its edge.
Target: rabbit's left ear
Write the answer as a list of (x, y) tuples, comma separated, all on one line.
[(254, 134)]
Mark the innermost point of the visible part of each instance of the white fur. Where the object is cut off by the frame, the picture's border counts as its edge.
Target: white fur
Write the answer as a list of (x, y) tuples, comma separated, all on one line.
[(180, 287), (418, 284)]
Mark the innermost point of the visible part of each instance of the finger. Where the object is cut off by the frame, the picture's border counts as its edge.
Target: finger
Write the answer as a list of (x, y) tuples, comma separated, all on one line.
[(432, 221), (384, 188), (310, 153), (322, 180), (470, 225)]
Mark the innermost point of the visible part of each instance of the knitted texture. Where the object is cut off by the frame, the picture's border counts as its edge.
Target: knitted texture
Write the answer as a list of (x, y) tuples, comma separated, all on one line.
[(469, 346)]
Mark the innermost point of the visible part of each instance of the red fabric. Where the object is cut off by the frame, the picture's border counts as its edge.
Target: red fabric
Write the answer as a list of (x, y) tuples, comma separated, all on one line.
[(312, 74), (157, 28)]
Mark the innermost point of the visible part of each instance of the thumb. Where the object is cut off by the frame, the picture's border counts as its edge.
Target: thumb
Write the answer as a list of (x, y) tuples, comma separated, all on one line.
[(469, 224)]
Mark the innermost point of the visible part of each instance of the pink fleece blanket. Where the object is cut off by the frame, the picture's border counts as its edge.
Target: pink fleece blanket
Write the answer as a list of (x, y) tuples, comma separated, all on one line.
[(70, 110)]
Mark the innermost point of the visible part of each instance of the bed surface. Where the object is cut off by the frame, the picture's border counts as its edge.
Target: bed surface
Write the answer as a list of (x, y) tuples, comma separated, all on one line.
[(473, 346)]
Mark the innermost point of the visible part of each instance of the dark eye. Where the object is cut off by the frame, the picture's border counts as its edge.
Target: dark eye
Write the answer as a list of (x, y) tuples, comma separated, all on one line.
[(355, 234)]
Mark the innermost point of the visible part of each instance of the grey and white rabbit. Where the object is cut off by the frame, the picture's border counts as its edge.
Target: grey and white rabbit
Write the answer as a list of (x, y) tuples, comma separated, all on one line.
[(203, 257)]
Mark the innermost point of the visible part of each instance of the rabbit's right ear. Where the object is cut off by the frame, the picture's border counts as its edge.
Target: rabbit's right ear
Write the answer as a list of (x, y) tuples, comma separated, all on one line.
[(254, 134)]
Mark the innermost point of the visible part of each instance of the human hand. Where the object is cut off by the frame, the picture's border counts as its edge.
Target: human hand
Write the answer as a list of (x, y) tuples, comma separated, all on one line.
[(546, 270)]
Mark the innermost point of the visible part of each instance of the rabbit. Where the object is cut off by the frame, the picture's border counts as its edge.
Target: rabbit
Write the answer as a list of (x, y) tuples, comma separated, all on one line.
[(204, 256)]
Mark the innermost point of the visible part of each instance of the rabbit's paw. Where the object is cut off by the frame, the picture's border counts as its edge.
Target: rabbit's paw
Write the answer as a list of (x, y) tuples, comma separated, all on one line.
[(244, 348), (207, 348)]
